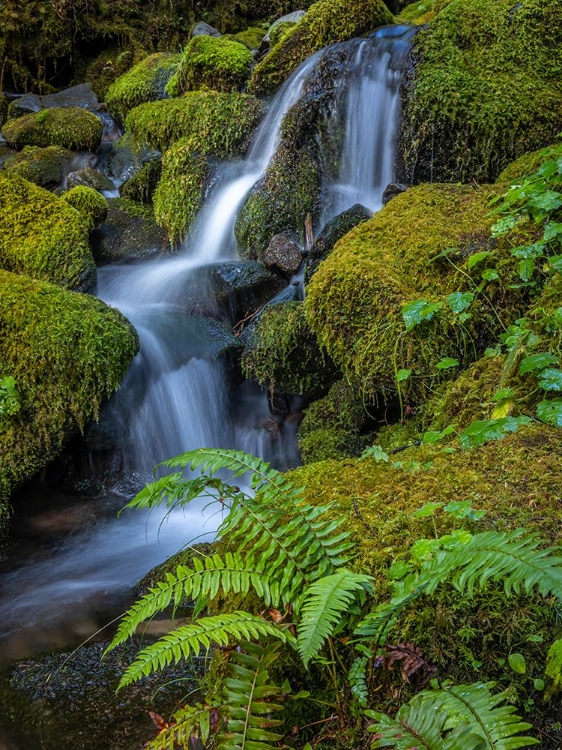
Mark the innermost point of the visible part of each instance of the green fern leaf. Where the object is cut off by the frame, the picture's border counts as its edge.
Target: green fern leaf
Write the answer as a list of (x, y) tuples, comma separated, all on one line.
[(456, 717), (249, 698), (324, 606), (190, 639), (186, 722)]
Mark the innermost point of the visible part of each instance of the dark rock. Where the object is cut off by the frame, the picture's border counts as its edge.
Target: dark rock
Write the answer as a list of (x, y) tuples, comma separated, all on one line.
[(334, 230), (392, 190), (142, 185), (283, 254), (77, 96), (89, 177), (42, 166), (5, 153), (124, 160), (129, 233), (294, 17), (203, 29)]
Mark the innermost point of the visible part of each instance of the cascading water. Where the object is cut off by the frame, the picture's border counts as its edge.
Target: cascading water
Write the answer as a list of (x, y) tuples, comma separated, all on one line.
[(173, 398)]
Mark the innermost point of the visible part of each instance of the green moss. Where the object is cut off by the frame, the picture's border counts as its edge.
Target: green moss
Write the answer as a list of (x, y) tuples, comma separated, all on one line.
[(87, 202), (179, 194), (524, 165), (145, 82), (251, 38), (417, 13), (67, 353), (42, 236), (141, 186), (326, 22), (72, 127), (284, 354), (211, 62), (42, 166), (106, 67), (218, 124), (485, 88), (355, 299)]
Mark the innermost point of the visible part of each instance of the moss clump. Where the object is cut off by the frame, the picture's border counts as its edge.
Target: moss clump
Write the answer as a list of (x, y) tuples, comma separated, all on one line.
[(485, 88), (71, 127), (326, 22), (179, 194), (42, 166), (141, 186), (284, 354), (524, 165), (211, 62), (417, 247), (87, 202), (42, 236), (67, 353), (145, 82), (251, 38), (331, 426), (218, 124)]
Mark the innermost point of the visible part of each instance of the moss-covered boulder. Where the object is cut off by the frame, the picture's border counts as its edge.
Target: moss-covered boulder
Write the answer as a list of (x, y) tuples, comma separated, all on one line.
[(129, 232), (67, 352), (326, 22), (89, 177), (421, 247), (71, 127), (283, 353), (212, 62), (142, 185), (88, 202), (524, 165), (42, 166), (483, 88), (218, 124), (42, 236), (179, 193), (145, 82), (251, 38)]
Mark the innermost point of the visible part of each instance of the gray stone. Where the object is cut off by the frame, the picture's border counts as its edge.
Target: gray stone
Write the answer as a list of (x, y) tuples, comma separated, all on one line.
[(203, 29), (392, 190), (283, 254), (89, 177), (124, 160), (128, 234), (334, 230), (294, 17), (77, 96)]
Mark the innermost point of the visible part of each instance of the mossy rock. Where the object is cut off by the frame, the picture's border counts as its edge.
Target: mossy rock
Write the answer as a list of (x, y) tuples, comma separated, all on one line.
[(326, 22), (284, 355), (88, 347), (104, 69), (218, 124), (142, 185), (417, 247), (71, 127), (179, 193), (145, 82), (483, 88), (211, 62), (89, 177), (42, 236), (42, 166), (418, 13), (523, 166), (129, 233), (87, 202), (251, 38)]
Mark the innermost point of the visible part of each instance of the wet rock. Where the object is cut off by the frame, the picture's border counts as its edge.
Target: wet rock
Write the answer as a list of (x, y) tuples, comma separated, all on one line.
[(42, 166), (72, 127), (77, 96), (129, 233), (334, 230), (294, 17), (5, 153), (124, 160), (392, 190), (91, 178), (283, 254), (203, 29)]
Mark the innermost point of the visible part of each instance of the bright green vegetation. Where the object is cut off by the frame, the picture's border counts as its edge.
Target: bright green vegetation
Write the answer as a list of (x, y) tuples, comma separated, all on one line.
[(42, 236), (398, 269), (179, 194), (486, 88), (67, 352), (145, 82), (419, 13), (142, 185), (88, 202), (42, 166), (326, 22), (366, 589), (251, 38), (71, 127), (524, 165), (211, 62), (218, 124), (284, 355)]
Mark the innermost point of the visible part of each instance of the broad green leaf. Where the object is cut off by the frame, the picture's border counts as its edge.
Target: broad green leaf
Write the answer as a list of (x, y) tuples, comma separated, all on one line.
[(545, 202), (551, 379), (525, 252), (425, 549), (376, 452), (553, 230), (490, 274), (517, 663), (550, 412), (446, 363), (427, 510), (434, 436), (477, 258), (502, 394), (402, 375), (459, 301), (539, 685), (555, 262), (526, 269), (504, 225), (481, 431), (537, 362), (417, 311)]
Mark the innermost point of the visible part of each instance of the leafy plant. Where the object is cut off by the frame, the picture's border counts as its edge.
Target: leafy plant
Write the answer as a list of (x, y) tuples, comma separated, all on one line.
[(9, 397)]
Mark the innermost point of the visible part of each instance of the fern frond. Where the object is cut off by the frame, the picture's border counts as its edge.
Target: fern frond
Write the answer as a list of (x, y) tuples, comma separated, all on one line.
[(377, 624), (187, 721), (553, 668), (189, 639), (358, 681), (206, 579), (324, 606), (249, 698), (456, 717)]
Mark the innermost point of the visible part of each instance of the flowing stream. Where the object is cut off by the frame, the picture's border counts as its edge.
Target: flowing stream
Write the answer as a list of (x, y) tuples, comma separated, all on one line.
[(173, 398)]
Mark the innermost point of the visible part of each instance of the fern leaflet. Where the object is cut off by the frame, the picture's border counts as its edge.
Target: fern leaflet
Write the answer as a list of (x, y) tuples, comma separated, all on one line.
[(188, 721)]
